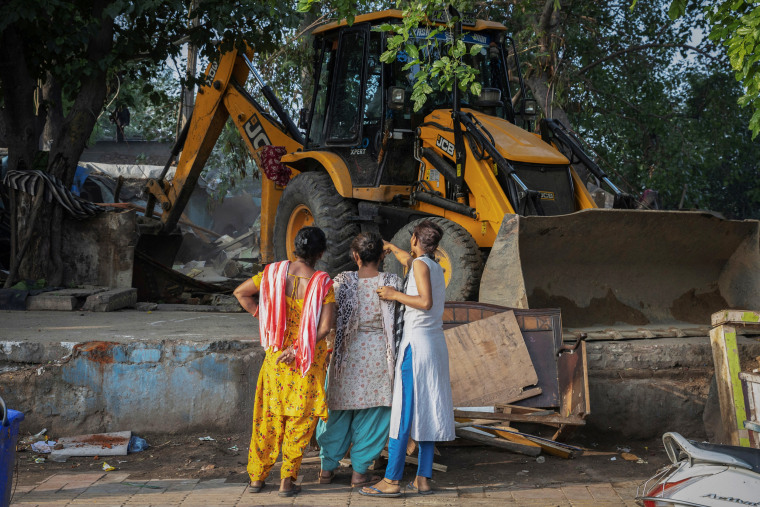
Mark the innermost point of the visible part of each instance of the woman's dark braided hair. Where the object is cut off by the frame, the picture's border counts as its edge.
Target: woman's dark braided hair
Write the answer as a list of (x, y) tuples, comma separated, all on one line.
[(429, 234), (368, 246), (310, 244)]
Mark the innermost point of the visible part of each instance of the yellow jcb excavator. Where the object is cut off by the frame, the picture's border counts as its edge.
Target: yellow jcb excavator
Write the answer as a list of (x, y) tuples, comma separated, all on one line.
[(473, 164)]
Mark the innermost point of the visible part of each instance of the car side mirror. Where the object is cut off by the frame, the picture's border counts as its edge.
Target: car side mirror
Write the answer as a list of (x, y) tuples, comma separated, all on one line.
[(396, 98)]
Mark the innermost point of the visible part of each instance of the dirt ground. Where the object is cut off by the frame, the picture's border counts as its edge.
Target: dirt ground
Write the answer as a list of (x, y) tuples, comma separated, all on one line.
[(185, 456)]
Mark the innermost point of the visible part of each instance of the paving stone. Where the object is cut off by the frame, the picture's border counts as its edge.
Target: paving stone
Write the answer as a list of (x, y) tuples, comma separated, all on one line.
[(548, 494), (472, 492), (111, 300), (577, 493), (604, 493)]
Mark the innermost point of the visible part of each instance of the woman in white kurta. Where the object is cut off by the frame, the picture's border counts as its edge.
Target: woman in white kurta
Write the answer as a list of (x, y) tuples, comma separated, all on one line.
[(422, 406)]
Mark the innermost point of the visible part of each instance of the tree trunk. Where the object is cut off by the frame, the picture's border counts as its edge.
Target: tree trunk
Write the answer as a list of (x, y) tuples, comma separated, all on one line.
[(51, 95), (42, 257), (22, 123)]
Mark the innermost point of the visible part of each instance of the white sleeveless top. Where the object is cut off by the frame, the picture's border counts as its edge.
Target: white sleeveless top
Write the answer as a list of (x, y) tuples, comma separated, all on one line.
[(433, 418)]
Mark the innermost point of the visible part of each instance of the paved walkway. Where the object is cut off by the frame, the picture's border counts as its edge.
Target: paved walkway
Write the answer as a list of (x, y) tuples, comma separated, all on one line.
[(115, 489)]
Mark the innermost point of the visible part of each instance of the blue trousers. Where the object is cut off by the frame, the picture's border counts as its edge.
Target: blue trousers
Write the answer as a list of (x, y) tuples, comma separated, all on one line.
[(365, 430), (397, 446)]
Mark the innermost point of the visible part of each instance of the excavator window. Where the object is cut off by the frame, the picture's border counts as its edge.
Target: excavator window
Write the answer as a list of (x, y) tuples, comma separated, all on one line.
[(344, 120), (316, 135)]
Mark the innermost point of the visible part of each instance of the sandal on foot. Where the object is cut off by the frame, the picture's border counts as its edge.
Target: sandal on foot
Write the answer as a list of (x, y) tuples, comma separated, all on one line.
[(369, 481), (376, 492), (415, 489), (255, 489), (328, 479), (291, 492)]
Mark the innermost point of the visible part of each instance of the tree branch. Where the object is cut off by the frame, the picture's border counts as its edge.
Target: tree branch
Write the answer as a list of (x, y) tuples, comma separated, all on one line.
[(642, 47)]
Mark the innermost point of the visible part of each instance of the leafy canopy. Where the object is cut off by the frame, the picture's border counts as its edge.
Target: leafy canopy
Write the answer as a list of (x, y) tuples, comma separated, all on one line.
[(736, 25)]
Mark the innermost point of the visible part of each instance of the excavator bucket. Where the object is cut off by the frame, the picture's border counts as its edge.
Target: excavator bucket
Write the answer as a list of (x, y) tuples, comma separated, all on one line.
[(605, 267)]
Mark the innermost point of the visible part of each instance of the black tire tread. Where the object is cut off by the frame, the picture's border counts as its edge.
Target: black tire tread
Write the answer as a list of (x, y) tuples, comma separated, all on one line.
[(469, 258), (332, 213)]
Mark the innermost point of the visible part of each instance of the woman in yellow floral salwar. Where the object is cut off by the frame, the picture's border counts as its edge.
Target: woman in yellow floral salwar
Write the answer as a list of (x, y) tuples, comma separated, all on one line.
[(296, 306)]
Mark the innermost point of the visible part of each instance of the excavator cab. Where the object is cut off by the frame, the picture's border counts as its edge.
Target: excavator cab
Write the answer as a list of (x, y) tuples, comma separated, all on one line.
[(500, 187)]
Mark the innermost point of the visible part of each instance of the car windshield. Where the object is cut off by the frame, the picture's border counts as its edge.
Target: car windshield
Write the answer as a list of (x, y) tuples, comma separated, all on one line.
[(488, 64)]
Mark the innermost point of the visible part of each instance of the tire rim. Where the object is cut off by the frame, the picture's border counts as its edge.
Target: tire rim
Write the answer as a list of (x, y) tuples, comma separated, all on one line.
[(300, 217), (445, 261)]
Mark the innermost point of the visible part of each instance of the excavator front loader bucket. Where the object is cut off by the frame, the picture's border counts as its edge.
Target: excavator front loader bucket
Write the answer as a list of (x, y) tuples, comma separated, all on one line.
[(637, 268)]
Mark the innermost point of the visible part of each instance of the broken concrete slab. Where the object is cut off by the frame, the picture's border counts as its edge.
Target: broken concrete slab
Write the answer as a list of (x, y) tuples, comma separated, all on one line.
[(98, 444), (49, 302), (110, 300)]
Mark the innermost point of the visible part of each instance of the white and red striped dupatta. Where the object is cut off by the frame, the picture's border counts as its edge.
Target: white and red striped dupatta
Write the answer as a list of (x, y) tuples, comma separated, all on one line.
[(273, 308)]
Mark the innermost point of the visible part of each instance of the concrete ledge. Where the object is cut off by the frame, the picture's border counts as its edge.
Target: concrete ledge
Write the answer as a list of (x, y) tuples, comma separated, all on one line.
[(144, 387), (638, 388)]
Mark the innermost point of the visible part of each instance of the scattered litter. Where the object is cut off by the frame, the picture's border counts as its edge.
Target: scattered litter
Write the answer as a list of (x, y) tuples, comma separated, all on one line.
[(33, 438), (39, 460), (613, 458), (107, 467), (629, 457), (234, 448), (120, 461), (624, 449), (540, 459), (641, 462), (206, 468), (206, 439), (58, 458), (43, 447), (523, 472), (137, 444)]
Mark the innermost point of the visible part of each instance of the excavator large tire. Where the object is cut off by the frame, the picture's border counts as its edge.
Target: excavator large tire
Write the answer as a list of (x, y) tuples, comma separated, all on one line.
[(457, 253), (311, 199)]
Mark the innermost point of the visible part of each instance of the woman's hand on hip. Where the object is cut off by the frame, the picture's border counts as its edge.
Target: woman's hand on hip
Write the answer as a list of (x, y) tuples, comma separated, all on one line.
[(387, 293), (288, 356)]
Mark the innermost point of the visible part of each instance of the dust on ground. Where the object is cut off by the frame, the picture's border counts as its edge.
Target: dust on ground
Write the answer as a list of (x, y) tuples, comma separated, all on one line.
[(185, 456)]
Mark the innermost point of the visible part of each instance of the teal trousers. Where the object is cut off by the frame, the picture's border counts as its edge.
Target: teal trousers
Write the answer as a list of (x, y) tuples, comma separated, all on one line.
[(365, 431)]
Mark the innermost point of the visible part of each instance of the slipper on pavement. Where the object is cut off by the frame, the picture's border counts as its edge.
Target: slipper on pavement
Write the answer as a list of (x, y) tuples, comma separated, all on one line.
[(378, 493), (256, 489), (369, 481), (417, 490), (326, 480), (291, 492)]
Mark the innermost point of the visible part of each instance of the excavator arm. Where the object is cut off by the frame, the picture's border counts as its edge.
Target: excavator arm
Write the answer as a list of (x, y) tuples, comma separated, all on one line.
[(221, 96)]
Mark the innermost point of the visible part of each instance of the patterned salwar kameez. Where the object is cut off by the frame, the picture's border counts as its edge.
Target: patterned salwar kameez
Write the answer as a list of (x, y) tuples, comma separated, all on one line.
[(287, 406)]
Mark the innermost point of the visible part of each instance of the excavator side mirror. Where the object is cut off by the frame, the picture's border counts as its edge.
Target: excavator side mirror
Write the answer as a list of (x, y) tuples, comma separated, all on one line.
[(303, 119), (396, 98)]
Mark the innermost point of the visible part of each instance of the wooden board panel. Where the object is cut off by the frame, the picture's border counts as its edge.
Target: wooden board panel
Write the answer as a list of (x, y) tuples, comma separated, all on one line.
[(730, 396), (489, 362)]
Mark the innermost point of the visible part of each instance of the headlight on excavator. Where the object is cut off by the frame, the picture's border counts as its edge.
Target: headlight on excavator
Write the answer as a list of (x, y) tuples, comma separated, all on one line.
[(396, 98)]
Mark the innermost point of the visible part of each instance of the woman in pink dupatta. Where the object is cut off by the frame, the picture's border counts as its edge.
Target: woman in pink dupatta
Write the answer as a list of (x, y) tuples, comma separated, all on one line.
[(296, 312)]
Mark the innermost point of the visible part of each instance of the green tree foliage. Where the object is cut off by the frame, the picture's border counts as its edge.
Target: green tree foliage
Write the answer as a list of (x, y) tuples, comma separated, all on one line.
[(736, 25), (59, 57)]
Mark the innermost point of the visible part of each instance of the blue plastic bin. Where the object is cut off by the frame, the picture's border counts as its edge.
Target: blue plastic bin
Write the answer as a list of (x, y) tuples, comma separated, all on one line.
[(9, 424)]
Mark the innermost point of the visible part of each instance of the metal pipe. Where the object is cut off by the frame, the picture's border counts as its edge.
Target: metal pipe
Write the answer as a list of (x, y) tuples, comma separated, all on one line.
[(447, 204)]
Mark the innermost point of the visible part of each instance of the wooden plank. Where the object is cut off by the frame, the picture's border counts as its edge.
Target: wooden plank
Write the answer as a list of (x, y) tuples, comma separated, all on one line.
[(501, 444), (746, 318), (540, 419), (730, 395), (547, 446), (489, 362)]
